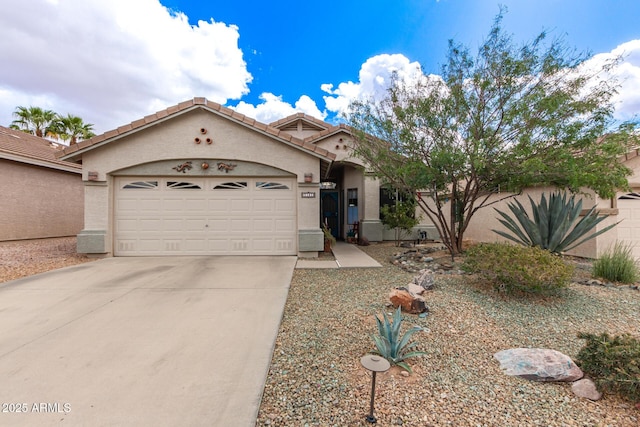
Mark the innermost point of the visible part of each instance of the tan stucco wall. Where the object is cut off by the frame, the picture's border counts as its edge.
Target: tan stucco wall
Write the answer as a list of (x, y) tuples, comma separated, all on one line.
[(174, 139), (486, 219), (340, 144), (39, 202)]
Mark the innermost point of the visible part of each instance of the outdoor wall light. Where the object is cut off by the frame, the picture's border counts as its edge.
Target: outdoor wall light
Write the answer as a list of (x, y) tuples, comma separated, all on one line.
[(308, 177), (374, 364)]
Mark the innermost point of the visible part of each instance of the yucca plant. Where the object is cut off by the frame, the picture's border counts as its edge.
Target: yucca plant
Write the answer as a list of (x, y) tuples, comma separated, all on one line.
[(389, 343), (552, 227)]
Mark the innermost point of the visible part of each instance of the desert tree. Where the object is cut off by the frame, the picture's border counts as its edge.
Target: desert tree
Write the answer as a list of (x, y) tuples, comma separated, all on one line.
[(509, 117)]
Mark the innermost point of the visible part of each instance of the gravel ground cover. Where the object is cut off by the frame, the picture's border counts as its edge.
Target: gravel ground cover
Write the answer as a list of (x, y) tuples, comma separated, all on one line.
[(23, 258), (316, 378)]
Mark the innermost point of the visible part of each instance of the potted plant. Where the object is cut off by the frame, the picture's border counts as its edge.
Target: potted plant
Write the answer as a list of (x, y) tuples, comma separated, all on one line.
[(329, 240)]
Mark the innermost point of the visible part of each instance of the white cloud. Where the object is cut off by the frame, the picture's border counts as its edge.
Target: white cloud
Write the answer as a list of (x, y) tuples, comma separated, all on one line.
[(375, 76), (274, 108), (627, 100), (374, 80), (114, 61), (620, 67)]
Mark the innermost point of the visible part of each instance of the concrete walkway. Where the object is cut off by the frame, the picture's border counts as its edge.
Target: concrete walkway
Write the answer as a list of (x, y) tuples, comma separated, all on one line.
[(346, 255), (171, 341)]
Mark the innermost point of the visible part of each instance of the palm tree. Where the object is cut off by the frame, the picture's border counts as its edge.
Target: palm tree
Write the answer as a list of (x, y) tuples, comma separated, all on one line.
[(73, 129), (35, 120)]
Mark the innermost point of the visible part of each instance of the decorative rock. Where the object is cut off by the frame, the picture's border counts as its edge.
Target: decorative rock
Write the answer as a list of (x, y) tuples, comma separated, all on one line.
[(538, 364), (415, 289), (425, 279), (586, 388), (413, 304)]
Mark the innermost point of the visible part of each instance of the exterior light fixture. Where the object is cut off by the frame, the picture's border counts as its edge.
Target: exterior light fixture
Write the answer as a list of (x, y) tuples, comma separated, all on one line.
[(308, 177), (374, 364)]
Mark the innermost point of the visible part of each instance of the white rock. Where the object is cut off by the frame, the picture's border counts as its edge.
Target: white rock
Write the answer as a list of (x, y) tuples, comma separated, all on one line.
[(586, 388)]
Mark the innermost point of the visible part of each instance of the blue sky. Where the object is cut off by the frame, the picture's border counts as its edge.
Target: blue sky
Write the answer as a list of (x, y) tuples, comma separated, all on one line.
[(291, 48), (114, 61)]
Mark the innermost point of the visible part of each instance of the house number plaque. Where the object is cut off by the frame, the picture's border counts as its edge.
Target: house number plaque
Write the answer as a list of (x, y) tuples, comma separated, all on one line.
[(308, 194)]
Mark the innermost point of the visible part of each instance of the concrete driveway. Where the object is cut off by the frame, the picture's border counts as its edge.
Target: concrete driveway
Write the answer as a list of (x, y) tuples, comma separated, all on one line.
[(171, 341)]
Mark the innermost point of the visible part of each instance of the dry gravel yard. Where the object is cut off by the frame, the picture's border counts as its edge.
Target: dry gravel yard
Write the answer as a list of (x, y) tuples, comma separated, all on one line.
[(316, 378), (28, 257)]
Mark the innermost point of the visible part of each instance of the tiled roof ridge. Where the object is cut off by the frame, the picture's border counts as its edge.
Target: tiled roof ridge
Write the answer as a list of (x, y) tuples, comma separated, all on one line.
[(187, 105), (297, 116)]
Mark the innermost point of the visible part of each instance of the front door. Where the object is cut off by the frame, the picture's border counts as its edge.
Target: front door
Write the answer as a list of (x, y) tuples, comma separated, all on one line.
[(330, 209)]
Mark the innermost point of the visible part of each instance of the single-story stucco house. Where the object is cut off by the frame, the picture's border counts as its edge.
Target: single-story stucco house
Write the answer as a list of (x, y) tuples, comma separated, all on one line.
[(201, 179), (42, 196)]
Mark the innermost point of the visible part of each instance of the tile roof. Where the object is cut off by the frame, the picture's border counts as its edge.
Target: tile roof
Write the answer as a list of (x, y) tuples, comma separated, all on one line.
[(328, 132), (300, 116), (26, 148), (78, 149)]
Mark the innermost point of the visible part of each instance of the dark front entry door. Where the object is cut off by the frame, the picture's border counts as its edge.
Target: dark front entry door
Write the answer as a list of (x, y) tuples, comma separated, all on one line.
[(330, 208)]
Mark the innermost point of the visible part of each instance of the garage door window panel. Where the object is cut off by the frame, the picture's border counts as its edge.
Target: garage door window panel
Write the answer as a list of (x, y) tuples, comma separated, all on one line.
[(141, 185), (241, 185), (176, 185), (271, 186)]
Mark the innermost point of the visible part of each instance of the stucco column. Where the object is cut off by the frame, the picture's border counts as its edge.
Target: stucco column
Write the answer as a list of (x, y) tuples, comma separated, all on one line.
[(93, 239), (310, 235), (370, 225)]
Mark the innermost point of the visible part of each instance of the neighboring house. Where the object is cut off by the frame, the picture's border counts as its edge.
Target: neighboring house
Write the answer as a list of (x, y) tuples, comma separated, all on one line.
[(42, 196), (202, 179), (624, 208)]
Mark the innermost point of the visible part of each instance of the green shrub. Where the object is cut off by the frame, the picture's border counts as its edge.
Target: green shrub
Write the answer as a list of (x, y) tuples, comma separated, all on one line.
[(519, 268), (617, 265), (392, 346), (613, 363)]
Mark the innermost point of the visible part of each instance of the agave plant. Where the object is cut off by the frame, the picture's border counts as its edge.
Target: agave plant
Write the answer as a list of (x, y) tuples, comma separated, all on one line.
[(552, 227), (389, 343)]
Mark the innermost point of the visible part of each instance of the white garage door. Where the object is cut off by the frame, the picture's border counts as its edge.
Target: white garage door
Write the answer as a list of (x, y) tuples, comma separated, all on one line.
[(629, 228), (205, 216)]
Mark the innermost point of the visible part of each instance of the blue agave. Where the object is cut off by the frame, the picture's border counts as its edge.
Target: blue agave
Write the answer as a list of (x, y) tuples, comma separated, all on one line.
[(389, 343)]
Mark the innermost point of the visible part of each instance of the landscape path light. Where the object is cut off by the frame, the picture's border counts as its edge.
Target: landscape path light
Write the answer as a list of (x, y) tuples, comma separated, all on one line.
[(374, 364)]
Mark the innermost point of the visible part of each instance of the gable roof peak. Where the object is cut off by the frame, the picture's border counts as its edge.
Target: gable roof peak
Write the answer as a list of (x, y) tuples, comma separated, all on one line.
[(196, 102), (301, 117)]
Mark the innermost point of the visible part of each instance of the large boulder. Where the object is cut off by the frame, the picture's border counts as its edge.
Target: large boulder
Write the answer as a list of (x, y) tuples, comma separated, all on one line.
[(410, 303), (538, 364)]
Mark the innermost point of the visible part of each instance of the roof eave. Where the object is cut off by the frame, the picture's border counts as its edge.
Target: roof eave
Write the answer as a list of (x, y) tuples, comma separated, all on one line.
[(73, 168)]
